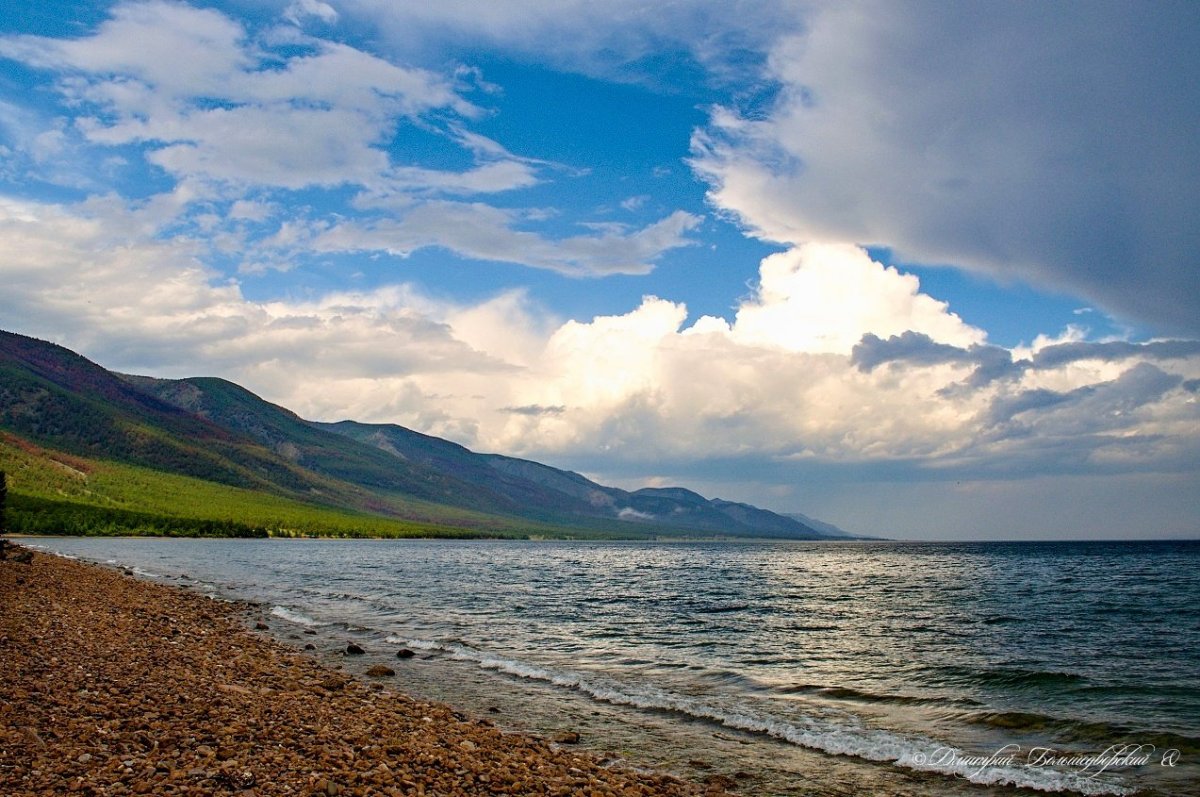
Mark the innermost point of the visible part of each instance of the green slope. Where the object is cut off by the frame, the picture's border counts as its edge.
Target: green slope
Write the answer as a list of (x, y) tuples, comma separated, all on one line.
[(59, 399), (63, 402), (54, 492)]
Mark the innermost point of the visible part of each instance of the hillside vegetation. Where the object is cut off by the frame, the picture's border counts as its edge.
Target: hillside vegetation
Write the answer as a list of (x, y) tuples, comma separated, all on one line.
[(56, 493)]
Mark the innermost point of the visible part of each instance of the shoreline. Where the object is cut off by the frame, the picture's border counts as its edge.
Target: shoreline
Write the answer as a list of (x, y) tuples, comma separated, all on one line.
[(115, 685), (492, 672), (535, 538)]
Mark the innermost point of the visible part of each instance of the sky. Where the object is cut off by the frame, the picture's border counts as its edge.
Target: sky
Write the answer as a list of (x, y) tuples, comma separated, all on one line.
[(923, 270)]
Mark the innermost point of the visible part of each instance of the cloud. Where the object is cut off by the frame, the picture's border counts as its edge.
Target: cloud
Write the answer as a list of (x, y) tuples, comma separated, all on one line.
[(1137, 422), (535, 410), (482, 232), (69, 273), (1007, 408), (620, 39), (209, 101), (910, 347), (984, 137), (648, 391), (1135, 388), (1112, 351), (38, 149), (648, 385), (179, 50), (301, 9), (243, 120), (824, 297), (487, 178), (917, 349)]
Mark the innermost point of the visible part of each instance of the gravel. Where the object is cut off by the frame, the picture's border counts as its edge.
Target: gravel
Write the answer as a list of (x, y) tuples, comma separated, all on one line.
[(114, 686)]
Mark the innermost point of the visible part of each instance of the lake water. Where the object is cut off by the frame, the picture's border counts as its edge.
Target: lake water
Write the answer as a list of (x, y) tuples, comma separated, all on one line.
[(798, 668)]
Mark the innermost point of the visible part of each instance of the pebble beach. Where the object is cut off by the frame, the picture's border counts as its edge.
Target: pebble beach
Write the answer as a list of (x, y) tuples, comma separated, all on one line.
[(112, 685)]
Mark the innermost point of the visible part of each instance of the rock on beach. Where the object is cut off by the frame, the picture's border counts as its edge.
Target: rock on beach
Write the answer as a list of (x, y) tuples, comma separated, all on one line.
[(110, 685)]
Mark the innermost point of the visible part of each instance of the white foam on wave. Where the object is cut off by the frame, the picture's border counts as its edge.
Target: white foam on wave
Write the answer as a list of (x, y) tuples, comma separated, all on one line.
[(47, 549), (419, 644), (293, 616), (872, 744)]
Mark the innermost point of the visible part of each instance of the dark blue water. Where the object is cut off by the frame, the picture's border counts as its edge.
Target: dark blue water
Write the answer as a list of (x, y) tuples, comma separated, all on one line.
[(906, 660)]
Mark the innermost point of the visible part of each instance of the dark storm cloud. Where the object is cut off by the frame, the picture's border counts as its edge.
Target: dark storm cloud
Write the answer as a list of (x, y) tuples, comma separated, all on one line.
[(1054, 142), (535, 410), (1063, 353), (916, 348), (995, 362)]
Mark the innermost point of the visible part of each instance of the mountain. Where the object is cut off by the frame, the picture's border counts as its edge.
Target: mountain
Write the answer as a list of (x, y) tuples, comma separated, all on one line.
[(828, 529), (216, 432), (562, 496), (307, 446), (51, 395)]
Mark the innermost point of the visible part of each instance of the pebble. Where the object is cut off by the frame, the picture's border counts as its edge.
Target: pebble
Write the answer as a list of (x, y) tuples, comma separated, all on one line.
[(333, 683), (156, 719)]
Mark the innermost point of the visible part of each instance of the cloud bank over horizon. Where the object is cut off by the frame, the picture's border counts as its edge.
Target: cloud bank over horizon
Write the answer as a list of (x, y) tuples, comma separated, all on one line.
[(278, 202)]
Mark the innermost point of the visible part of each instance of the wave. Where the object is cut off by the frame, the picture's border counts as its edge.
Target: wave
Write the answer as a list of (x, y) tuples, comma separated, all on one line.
[(1083, 730), (1014, 677), (47, 549), (721, 608), (293, 616), (862, 696), (916, 753), (802, 627)]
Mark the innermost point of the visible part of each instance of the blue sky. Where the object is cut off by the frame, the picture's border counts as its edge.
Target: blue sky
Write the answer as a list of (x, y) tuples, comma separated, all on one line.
[(842, 258)]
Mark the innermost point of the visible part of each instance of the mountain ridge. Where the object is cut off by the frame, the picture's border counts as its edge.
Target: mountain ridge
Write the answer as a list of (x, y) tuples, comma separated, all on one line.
[(218, 431), (578, 495)]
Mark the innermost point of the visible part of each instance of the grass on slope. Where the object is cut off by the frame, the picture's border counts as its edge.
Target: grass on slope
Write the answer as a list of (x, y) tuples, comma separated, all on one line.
[(52, 492)]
